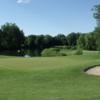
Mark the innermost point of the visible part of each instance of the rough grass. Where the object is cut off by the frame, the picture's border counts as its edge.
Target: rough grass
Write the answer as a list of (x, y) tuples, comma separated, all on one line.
[(49, 78)]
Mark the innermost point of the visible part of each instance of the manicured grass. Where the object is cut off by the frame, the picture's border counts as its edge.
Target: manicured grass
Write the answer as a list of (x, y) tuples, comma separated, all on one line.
[(49, 78)]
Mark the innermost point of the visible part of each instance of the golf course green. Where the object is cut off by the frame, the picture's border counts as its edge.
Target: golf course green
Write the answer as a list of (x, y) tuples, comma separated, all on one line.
[(49, 78)]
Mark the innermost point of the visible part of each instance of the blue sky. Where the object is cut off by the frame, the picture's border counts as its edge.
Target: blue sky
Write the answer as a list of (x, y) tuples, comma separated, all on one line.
[(49, 16)]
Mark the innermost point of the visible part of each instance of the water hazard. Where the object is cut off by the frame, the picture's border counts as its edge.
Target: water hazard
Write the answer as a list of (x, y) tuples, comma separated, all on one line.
[(22, 52)]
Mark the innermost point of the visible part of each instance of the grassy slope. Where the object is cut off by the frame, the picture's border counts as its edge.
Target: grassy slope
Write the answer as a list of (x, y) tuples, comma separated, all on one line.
[(49, 78)]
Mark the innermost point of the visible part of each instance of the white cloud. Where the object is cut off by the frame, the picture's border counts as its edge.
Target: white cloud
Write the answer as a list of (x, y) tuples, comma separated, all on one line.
[(20, 1), (23, 1)]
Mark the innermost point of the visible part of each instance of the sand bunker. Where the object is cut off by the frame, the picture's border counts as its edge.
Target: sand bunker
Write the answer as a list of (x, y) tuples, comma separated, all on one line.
[(95, 70)]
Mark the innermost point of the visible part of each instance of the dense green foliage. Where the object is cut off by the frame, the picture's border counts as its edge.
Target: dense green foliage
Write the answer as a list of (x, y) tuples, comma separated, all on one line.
[(45, 78), (11, 36), (72, 38), (79, 51), (97, 38), (50, 52), (31, 41), (96, 15), (90, 41)]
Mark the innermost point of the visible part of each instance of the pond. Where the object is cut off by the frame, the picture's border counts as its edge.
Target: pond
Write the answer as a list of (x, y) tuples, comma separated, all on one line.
[(22, 52)]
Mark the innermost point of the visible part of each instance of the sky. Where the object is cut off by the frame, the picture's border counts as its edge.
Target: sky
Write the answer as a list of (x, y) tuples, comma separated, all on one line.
[(51, 17)]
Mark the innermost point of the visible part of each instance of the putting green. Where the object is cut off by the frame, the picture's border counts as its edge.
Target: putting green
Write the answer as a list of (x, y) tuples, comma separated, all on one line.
[(37, 63)]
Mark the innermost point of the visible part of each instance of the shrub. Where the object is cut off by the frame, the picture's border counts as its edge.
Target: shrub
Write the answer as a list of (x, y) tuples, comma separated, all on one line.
[(73, 47), (61, 54), (79, 51), (51, 52), (65, 47), (55, 49), (59, 47)]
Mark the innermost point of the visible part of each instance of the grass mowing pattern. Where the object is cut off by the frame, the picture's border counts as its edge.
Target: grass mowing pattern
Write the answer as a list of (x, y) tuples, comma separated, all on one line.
[(49, 78)]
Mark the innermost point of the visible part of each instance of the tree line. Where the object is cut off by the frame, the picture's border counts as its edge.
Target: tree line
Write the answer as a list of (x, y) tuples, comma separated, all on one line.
[(11, 37), (90, 41)]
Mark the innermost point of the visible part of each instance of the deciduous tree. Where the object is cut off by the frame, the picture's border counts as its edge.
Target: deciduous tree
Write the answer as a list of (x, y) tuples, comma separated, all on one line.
[(12, 36)]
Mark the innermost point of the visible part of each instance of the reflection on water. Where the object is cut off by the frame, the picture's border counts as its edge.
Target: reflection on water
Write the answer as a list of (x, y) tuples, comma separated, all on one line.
[(23, 52), (26, 56)]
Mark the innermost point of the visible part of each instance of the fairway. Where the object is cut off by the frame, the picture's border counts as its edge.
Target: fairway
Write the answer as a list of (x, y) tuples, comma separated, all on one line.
[(49, 78)]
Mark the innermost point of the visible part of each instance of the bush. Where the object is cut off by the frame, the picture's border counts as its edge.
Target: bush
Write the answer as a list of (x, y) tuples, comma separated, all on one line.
[(79, 52), (61, 54), (59, 47), (51, 52), (65, 47), (55, 49), (73, 47)]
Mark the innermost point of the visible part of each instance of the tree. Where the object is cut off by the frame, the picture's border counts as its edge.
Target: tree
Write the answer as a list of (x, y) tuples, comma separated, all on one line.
[(97, 29), (90, 41), (80, 44), (97, 37), (96, 15), (12, 36), (58, 39), (39, 40), (81, 41), (26, 42), (63, 40), (71, 39), (47, 40), (0, 38), (77, 35), (31, 41)]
